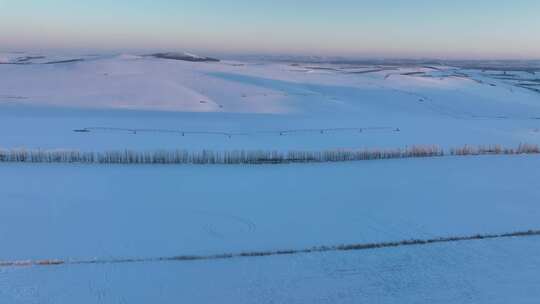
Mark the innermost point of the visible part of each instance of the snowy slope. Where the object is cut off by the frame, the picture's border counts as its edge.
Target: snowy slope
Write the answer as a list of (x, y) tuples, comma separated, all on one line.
[(135, 82), (444, 105)]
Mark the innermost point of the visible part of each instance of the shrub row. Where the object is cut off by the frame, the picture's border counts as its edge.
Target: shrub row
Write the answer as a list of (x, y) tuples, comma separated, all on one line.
[(495, 149), (247, 156)]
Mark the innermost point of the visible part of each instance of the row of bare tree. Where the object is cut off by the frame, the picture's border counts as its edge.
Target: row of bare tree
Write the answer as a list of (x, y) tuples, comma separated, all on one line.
[(248, 156), (495, 149)]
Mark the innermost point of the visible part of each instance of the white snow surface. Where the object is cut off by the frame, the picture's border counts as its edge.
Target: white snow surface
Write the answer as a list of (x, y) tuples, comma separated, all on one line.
[(85, 212), (41, 104), (493, 271), (135, 82), (89, 211)]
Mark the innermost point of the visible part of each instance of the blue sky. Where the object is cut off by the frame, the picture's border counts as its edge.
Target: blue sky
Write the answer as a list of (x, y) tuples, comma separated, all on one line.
[(383, 28)]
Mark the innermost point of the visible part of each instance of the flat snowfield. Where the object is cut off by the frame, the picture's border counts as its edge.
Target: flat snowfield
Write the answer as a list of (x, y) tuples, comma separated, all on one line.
[(488, 271), (111, 214), (101, 211), (425, 230)]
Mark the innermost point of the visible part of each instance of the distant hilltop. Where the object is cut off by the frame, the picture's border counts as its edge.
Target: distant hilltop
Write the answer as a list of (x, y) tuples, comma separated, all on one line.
[(20, 58), (184, 56)]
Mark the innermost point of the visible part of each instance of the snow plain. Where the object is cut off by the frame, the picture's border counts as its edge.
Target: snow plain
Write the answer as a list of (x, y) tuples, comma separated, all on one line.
[(498, 272), (84, 212), (145, 212)]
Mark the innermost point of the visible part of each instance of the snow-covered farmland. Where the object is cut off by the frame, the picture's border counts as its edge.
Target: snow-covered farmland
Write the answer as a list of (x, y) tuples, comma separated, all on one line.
[(88, 212), (490, 271), (257, 102)]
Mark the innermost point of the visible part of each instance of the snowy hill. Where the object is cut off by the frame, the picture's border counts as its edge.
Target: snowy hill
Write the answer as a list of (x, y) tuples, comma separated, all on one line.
[(185, 57), (441, 105)]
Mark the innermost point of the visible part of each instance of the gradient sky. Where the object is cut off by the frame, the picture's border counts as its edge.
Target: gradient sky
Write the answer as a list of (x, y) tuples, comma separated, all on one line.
[(383, 28)]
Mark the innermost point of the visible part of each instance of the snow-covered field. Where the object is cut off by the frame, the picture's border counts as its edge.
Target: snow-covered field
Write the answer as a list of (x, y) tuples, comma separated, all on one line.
[(490, 271), (149, 211), (108, 213), (258, 101)]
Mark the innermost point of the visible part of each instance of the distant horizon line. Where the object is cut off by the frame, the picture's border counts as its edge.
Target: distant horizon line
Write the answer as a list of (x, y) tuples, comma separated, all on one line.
[(272, 55)]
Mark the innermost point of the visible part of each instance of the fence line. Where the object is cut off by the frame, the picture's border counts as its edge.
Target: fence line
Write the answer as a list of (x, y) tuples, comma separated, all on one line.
[(250, 156)]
